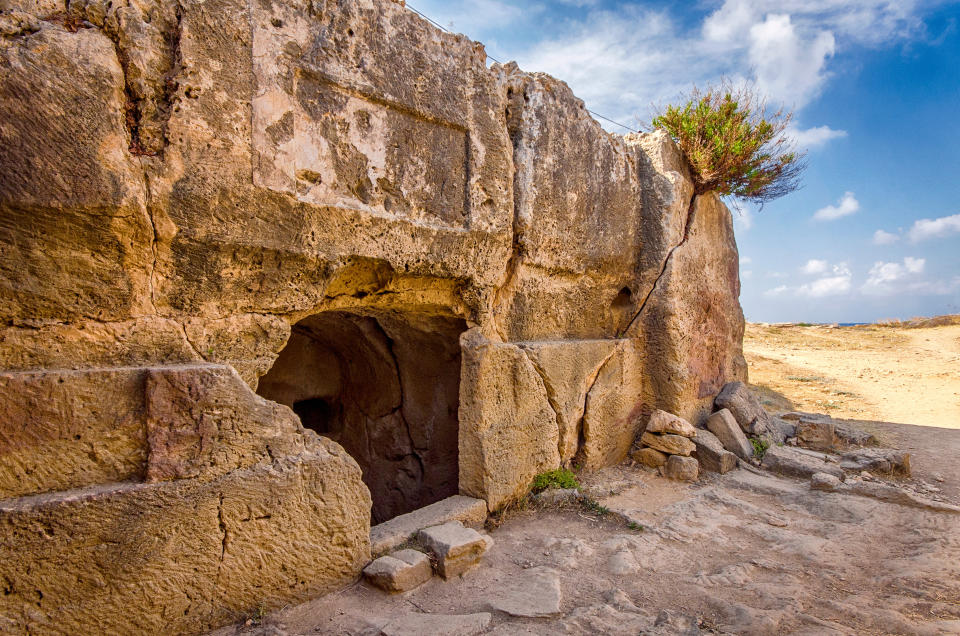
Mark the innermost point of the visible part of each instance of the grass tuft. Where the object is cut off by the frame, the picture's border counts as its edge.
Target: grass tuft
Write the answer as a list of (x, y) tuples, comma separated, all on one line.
[(559, 478)]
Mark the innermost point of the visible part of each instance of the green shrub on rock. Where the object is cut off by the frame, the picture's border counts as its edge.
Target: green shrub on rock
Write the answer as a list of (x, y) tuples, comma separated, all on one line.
[(734, 144)]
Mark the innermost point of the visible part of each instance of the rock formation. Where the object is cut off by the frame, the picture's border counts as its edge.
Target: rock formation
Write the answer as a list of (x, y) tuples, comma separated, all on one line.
[(451, 273)]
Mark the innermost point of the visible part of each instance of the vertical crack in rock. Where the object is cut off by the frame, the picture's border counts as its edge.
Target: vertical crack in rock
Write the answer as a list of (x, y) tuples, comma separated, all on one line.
[(551, 398), (223, 536), (146, 38), (516, 103), (190, 343), (586, 399), (691, 213), (148, 207)]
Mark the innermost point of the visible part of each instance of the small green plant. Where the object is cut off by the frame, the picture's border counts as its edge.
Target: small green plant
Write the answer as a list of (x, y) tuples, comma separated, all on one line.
[(636, 527), (760, 447), (594, 507), (560, 478), (735, 145)]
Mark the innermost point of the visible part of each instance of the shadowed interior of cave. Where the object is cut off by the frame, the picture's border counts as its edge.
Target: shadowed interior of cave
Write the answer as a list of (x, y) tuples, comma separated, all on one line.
[(386, 388)]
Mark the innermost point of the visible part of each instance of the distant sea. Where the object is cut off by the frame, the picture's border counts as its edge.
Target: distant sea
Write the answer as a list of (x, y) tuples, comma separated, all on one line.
[(852, 324)]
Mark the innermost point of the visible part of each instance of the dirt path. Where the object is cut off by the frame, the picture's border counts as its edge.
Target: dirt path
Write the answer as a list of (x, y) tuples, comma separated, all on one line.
[(739, 554), (876, 373)]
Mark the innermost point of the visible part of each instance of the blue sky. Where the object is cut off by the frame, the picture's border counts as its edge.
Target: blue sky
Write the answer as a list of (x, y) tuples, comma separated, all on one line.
[(875, 86)]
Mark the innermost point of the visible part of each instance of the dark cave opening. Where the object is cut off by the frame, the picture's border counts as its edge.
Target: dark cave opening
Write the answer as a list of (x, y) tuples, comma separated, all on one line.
[(386, 388)]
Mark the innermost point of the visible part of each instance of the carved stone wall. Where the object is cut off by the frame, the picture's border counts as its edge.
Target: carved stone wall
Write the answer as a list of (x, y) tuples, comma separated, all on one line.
[(450, 269)]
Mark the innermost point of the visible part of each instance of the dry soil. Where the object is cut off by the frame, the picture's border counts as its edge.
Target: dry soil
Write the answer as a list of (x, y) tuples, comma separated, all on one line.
[(892, 374)]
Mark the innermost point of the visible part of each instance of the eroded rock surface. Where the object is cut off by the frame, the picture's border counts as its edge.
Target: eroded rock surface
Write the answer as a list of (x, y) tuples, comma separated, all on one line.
[(450, 273)]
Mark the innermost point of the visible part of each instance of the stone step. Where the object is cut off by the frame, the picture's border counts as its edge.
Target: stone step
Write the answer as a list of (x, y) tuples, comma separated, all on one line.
[(391, 534)]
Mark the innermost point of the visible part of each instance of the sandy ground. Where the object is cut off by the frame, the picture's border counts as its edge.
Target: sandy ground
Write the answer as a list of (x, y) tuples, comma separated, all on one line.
[(741, 553), (889, 374)]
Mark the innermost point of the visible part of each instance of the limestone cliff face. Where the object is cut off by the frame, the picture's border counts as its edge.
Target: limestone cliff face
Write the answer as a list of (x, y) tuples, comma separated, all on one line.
[(449, 272)]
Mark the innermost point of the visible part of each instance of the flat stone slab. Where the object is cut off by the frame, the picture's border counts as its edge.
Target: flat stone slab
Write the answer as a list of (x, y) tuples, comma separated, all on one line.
[(437, 625), (668, 443), (790, 461), (534, 593), (456, 548), (877, 460), (391, 534), (663, 422), (400, 571)]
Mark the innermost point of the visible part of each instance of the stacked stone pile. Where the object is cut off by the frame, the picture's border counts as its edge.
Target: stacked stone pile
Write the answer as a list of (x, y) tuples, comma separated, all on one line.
[(667, 444)]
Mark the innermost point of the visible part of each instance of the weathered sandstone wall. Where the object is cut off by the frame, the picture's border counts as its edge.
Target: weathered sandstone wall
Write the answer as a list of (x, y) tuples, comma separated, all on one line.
[(450, 269)]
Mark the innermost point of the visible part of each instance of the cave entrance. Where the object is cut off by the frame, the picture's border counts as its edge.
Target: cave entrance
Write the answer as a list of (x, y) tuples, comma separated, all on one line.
[(386, 388)]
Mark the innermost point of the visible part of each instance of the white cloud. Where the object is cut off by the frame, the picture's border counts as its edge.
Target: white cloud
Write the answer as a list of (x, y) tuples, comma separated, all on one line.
[(777, 274), (745, 259), (846, 206), (815, 266), (836, 284), (746, 274), (914, 265), (884, 238), (776, 291), (815, 137), (883, 278), (924, 229), (789, 69)]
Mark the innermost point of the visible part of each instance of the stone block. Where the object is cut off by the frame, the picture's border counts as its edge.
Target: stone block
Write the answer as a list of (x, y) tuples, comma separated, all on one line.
[(184, 556), (612, 414), (737, 398), (157, 423), (663, 422), (670, 444), (569, 369), (728, 431), (794, 463), (648, 457), (877, 460), (825, 482), (388, 535), (455, 548), (508, 430), (400, 571), (780, 430), (711, 454), (817, 434), (851, 435), (681, 468)]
